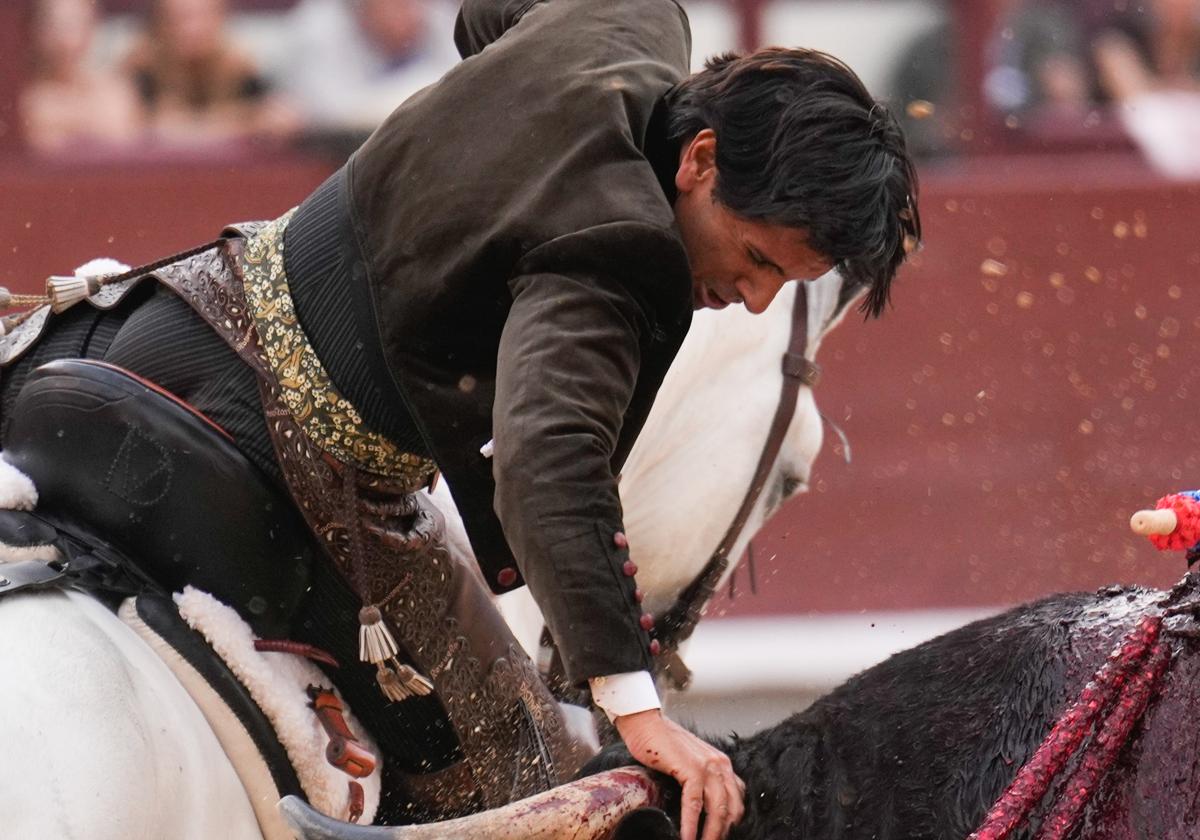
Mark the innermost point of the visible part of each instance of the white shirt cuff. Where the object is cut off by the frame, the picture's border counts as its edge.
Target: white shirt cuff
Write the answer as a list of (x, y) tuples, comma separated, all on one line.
[(625, 694)]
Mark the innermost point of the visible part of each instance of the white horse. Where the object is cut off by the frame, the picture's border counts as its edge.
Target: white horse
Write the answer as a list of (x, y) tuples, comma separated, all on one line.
[(101, 742)]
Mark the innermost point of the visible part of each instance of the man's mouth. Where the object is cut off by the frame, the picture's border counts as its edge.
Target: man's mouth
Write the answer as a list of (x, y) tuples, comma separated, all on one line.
[(709, 299)]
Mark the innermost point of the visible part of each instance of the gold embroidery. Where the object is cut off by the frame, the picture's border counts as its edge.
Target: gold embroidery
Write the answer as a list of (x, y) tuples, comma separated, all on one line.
[(325, 415)]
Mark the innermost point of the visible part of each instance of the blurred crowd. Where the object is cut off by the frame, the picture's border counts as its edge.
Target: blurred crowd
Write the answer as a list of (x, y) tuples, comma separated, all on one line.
[(1068, 74), (1070, 62), (176, 76), (120, 74)]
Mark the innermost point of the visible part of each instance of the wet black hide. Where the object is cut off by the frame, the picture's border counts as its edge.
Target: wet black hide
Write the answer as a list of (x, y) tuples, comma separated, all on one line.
[(921, 745)]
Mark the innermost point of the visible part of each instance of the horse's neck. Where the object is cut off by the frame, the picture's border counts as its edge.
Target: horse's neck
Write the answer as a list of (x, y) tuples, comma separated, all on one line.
[(687, 475)]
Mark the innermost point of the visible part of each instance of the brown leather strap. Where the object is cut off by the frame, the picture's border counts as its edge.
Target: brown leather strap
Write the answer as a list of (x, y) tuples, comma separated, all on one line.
[(679, 622), (345, 751)]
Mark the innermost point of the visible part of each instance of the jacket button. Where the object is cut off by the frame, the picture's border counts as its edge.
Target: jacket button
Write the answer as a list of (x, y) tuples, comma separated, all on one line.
[(647, 622), (629, 568), (506, 576), (638, 595), (655, 647), (620, 540)]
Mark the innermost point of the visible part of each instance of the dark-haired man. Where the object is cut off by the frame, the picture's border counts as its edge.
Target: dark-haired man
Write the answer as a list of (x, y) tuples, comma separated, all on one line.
[(614, 194), (509, 265)]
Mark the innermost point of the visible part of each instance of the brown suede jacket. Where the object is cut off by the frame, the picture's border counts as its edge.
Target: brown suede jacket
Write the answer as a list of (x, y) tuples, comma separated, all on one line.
[(507, 241)]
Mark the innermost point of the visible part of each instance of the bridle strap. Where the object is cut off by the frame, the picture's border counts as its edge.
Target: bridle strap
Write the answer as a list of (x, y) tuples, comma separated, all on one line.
[(679, 622)]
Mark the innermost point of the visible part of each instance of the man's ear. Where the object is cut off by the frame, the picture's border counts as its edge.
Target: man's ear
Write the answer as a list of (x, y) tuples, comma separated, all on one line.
[(697, 161)]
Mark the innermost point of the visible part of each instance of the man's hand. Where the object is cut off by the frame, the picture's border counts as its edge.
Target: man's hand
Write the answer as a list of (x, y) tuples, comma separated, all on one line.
[(706, 774)]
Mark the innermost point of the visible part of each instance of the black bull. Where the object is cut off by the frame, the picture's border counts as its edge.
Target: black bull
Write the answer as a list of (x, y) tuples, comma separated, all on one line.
[(922, 745)]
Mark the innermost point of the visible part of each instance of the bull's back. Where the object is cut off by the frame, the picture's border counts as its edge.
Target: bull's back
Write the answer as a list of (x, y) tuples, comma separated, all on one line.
[(922, 745)]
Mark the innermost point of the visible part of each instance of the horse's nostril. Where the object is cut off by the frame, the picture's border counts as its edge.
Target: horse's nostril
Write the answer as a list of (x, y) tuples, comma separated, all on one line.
[(791, 485)]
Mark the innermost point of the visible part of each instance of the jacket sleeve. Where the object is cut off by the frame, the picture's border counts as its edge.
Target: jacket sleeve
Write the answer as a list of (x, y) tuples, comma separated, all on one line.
[(480, 22), (567, 367)]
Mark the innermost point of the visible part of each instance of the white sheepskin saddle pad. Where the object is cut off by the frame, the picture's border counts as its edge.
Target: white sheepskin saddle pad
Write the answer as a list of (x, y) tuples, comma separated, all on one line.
[(278, 684)]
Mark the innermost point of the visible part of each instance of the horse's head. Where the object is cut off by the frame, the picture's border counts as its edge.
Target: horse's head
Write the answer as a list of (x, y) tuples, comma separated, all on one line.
[(829, 299), (689, 472)]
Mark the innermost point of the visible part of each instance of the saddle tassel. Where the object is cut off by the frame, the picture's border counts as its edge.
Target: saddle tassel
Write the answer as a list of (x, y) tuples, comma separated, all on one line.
[(377, 645), (375, 641), (65, 292)]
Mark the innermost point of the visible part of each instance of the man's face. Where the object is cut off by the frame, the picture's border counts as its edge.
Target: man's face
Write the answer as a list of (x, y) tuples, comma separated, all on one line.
[(733, 259)]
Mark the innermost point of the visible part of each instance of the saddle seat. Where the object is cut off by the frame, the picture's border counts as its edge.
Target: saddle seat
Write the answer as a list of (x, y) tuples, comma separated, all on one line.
[(155, 495)]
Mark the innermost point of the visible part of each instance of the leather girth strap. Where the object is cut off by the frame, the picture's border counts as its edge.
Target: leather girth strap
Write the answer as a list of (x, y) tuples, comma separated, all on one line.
[(679, 622), (387, 544)]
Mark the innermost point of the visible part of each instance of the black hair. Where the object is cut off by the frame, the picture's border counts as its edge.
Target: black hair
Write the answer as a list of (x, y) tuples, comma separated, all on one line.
[(801, 143)]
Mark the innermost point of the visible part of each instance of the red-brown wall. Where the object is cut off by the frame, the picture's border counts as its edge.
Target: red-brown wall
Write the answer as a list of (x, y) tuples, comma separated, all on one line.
[(55, 217), (1006, 417)]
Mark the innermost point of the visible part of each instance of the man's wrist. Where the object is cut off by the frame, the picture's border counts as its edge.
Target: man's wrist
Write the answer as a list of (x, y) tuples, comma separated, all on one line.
[(625, 694)]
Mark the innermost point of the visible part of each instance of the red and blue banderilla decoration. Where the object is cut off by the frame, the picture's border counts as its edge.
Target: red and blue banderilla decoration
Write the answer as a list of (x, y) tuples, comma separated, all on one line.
[(1173, 525)]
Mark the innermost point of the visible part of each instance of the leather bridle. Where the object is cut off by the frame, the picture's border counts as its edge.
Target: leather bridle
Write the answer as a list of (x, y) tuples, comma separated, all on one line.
[(678, 623)]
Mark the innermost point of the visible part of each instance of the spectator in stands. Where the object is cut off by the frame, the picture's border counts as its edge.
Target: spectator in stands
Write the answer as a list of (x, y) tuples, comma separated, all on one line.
[(1157, 95), (68, 103), (353, 61), (1177, 41), (1044, 56), (197, 87), (1062, 59)]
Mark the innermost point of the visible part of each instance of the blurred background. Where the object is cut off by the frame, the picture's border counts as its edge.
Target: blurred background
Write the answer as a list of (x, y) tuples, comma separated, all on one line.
[(1035, 382)]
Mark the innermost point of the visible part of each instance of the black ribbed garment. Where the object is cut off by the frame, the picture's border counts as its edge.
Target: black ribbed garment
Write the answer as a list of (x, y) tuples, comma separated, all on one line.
[(332, 299)]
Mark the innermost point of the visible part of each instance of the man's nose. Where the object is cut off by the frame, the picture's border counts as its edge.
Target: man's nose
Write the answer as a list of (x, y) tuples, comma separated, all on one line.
[(758, 294)]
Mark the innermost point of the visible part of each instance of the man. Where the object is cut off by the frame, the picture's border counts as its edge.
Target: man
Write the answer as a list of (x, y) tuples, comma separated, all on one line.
[(563, 199), (498, 280)]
